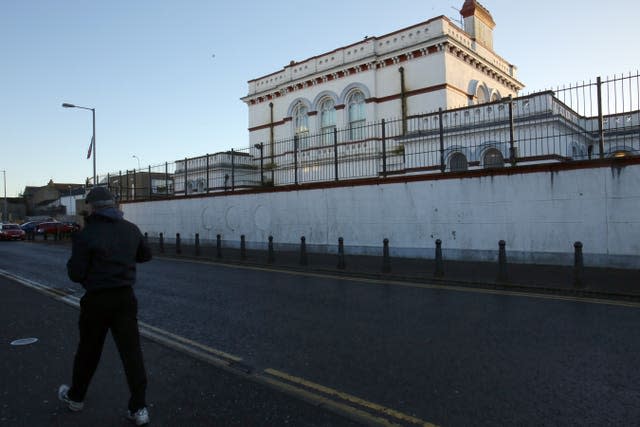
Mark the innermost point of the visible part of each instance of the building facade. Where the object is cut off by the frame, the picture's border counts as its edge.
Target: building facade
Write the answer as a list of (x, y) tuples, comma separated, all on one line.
[(430, 98), (419, 69)]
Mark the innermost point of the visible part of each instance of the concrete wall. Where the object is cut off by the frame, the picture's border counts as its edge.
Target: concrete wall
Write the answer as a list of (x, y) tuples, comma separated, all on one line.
[(540, 214)]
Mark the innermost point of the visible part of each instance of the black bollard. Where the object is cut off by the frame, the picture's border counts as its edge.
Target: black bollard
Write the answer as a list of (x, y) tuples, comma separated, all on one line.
[(303, 251), (386, 262), (243, 248), (178, 248), (578, 265), (270, 256), (502, 262), (197, 244), (341, 263), (218, 246), (161, 243), (439, 272)]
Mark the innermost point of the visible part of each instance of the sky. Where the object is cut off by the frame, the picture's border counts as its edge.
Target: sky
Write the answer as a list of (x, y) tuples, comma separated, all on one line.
[(166, 77)]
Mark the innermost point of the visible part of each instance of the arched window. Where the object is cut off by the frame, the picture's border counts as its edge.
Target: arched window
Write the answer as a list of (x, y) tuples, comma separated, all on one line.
[(493, 159), (495, 96), (481, 95), (327, 120), (356, 111), (458, 162), (301, 119)]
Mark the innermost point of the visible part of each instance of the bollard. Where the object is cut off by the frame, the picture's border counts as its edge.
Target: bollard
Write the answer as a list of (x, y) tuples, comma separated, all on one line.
[(303, 251), (502, 262), (243, 248), (161, 243), (439, 272), (146, 238), (270, 256), (178, 249), (341, 263), (386, 262), (578, 265), (218, 246), (197, 244)]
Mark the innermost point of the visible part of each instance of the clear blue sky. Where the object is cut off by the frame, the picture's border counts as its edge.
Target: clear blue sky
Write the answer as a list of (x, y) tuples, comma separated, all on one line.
[(160, 94)]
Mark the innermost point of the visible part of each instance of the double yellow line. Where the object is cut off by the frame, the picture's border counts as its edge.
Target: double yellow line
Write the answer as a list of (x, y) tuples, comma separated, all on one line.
[(344, 404)]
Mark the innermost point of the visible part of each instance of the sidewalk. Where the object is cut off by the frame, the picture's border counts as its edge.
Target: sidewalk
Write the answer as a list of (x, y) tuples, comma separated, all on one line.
[(609, 283), (183, 391), (593, 282)]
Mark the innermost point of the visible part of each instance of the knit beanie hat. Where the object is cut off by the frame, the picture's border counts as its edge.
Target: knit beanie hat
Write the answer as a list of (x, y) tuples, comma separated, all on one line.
[(100, 197)]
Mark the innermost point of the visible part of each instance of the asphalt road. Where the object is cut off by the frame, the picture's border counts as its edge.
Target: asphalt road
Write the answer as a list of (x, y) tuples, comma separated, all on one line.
[(445, 356)]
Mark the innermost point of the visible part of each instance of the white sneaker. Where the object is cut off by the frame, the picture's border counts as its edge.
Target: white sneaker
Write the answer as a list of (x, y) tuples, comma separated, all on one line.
[(63, 396), (140, 417)]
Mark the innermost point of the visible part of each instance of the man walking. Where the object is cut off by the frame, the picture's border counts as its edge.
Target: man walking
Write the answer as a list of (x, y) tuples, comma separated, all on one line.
[(103, 260)]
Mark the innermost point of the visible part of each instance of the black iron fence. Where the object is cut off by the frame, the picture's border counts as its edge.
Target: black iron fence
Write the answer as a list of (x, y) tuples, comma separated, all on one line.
[(585, 121)]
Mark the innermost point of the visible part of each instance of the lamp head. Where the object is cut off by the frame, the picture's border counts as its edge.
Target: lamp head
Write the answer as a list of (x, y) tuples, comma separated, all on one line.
[(66, 105)]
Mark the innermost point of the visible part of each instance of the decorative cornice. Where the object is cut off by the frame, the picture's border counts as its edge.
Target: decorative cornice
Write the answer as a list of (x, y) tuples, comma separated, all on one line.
[(346, 72)]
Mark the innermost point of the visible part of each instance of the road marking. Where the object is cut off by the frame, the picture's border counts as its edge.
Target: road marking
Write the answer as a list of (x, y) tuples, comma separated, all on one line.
[(188, 342), (524, 294), (289, 384), (345, 410), (350, 398)]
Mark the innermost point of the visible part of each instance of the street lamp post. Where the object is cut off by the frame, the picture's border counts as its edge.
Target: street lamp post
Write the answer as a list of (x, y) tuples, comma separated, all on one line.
[(93, 139), (136, 157), (4, 210)]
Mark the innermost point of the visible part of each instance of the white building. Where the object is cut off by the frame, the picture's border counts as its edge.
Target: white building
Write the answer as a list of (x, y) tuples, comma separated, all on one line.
[(432, 97), (431, 65)]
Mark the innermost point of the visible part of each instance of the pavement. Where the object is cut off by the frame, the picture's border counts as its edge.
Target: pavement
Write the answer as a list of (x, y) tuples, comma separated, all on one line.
[(589, 282), (183, 390)]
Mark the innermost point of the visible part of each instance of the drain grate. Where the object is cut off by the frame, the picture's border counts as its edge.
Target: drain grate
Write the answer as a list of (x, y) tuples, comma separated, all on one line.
[(24, 341)]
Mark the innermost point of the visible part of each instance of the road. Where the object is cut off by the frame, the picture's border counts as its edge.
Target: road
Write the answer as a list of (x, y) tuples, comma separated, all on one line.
[(440, 355)]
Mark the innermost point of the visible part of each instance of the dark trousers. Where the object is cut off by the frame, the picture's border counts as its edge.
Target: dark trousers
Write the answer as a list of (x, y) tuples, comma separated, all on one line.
[(116, 310)]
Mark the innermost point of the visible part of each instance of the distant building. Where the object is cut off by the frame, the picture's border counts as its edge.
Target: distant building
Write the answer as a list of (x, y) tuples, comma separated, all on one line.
[(14, 210), (215, 172), (134, 185), (53, 199)]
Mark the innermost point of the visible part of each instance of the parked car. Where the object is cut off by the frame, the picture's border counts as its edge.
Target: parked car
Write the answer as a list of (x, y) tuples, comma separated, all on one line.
[(30, 226), (11, 232), (74, 225), (54, 228)]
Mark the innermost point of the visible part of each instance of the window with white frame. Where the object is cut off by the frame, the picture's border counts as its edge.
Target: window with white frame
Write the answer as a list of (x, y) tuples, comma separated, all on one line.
[(481, 95), (301, 119), (327, 120), (356, 111), (301, 124)]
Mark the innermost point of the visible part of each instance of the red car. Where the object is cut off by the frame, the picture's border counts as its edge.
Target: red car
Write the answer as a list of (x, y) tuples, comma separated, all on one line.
[(11, 232), (54, 228)]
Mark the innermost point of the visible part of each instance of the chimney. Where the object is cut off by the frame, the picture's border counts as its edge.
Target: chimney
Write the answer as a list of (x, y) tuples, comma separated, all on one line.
[(478, 23)]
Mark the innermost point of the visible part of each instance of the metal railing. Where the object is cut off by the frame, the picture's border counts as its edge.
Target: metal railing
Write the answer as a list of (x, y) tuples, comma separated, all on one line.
[(585, 121)]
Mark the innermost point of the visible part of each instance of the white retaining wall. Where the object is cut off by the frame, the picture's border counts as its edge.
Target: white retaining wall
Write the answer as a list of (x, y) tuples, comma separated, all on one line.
[(539, 215)]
